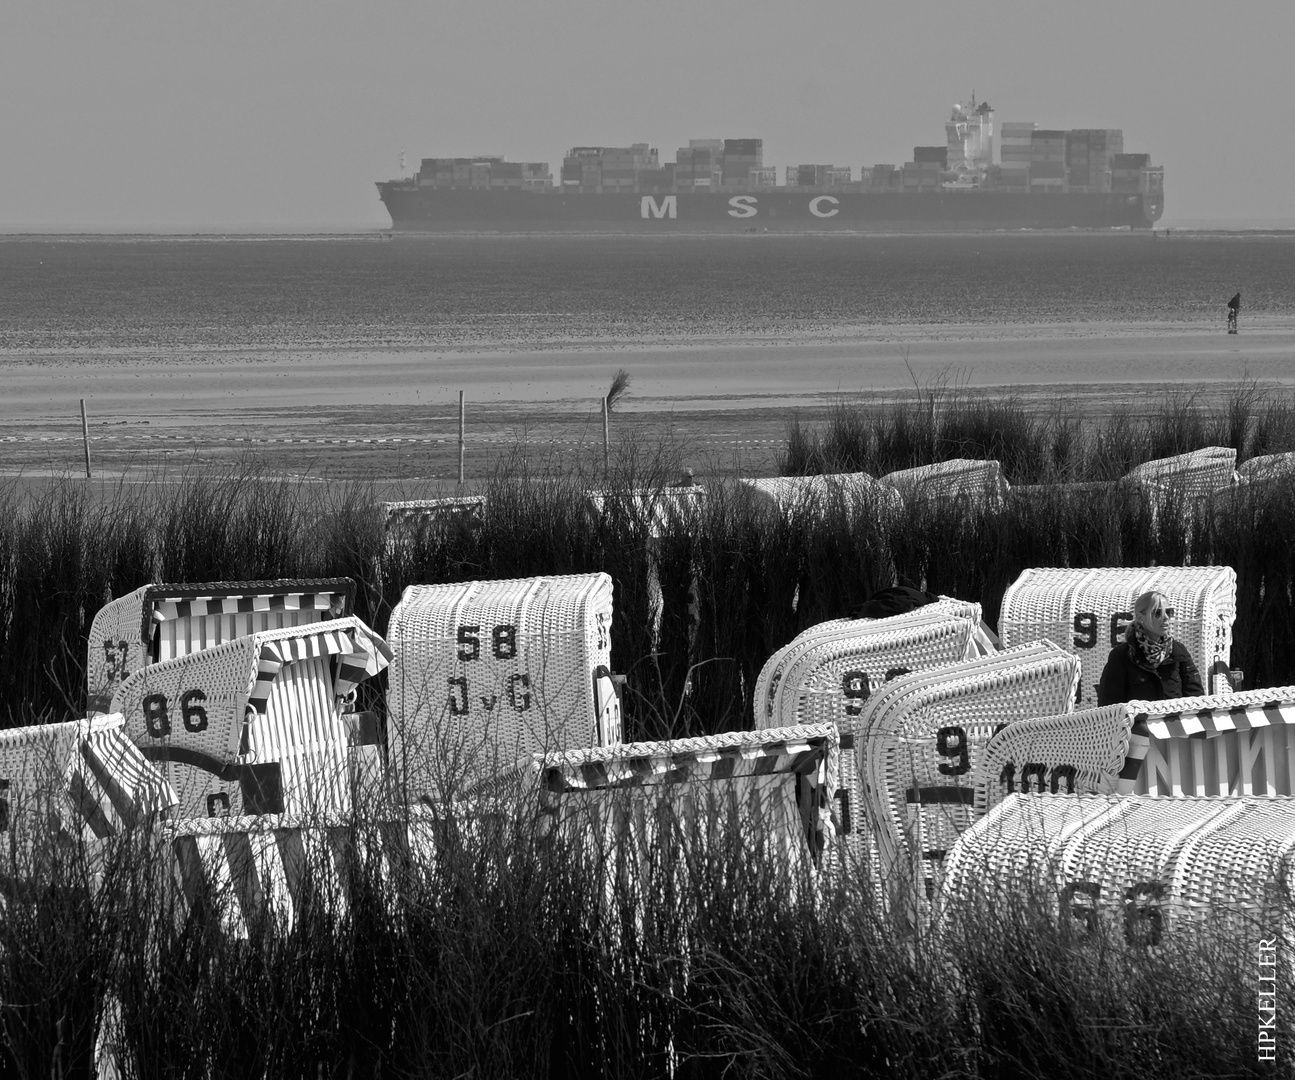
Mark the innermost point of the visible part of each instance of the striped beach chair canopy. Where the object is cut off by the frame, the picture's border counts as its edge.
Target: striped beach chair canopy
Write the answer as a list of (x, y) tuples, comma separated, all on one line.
[(1197, 473), (253, 868), (1087, 611), (1135, 868), (774, 787), (83, 778), (923, 735), (257, 724), (488, 671), (159, 622), (817, 494), (969, 478), (1236, 744)]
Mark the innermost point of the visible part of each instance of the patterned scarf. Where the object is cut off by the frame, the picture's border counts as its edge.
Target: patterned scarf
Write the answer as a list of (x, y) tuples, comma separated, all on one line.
[(1156, 652)]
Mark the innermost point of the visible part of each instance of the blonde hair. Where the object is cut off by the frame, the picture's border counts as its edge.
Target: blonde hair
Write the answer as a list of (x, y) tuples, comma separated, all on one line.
[(1141, 607)]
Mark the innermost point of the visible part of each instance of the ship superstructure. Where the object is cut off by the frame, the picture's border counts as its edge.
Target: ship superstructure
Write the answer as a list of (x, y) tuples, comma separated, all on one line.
[(1016, 176)]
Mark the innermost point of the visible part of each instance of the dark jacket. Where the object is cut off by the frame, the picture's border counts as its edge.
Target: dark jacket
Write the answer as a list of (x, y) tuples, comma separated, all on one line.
[(1129, 676)]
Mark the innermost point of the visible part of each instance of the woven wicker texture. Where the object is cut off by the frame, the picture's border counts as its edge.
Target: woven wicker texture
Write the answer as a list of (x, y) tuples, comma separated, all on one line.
[(159, 622), (82, 777), (925, 734), (1193, 474), (959, 477), (769, 680), (1135, 866), (1087, 611), (1229, 744), (259, 710), (1266, 467), (486, 671), (817, 494)]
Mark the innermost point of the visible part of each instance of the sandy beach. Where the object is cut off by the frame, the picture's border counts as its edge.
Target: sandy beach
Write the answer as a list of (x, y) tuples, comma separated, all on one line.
[(395, 410)]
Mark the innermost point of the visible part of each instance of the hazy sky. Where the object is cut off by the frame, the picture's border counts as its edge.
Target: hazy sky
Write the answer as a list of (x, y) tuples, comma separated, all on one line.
[(175, 114)]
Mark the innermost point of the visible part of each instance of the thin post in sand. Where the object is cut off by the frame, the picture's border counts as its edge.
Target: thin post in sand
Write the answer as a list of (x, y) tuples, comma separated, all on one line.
[(85, 438), (460, 436)]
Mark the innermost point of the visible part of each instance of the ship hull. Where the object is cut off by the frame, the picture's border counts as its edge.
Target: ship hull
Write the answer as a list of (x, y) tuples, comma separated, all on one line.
[(439, 210)]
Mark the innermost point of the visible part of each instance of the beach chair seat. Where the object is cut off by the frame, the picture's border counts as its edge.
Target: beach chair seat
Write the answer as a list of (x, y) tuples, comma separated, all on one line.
[(1267, 468), (819, 493), (487, 671), (1189, 475), (1134, 867), (1237, 744), (969, 478), (1086, 611), (766, 793), (159, 622), (925, 733), (80, 779), (260, 724)]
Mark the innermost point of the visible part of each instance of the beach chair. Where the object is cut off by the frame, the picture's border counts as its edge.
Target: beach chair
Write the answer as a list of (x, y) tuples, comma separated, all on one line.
[(80, 779), (817, 494), (924, 734), (1190, 475), (160, 622), (1086, 611), (487, 671), (261, 724), (969, 478), (694, 801), (1266, 468), (1136, 868), (1237, 744)]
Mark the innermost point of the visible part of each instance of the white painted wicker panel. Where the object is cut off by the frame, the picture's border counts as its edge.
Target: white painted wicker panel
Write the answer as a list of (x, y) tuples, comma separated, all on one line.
[(487, 671), (816, 494), (1134, 867), (1199, 472), (968, 478), (1086, 611), (924, 735)]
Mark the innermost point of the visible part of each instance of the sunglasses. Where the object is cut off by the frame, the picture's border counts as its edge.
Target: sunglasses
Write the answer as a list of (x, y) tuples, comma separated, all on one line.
[(1157, 612)]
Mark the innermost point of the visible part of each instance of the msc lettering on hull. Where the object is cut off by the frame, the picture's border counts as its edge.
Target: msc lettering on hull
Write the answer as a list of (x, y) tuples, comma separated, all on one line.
[(668, 207)]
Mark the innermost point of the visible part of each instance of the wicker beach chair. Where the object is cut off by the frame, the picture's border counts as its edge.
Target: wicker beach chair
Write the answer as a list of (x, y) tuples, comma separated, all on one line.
[(83, 778), (1135, 867), (923, 736), (816, 494), (969, 478), (770, 677), (1192, 475), (259, 724), (160, 622), (487, 671), (764, 792), (267, 866), (1236, 744), (1266, 467), (1087, 611)]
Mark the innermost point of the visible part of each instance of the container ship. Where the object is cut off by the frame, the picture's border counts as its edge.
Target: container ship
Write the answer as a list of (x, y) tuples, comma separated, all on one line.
[(1013, 176)]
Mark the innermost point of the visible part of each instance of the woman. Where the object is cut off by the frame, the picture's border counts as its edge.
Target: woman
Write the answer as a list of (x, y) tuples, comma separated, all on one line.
[(1149, 665)]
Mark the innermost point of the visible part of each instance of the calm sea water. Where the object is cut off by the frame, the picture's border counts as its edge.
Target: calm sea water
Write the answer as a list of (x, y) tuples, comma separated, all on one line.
[(201, 294)]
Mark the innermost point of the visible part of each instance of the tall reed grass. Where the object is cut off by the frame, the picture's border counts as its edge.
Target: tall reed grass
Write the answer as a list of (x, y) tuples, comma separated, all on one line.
[(496, 951), (730, 585)]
